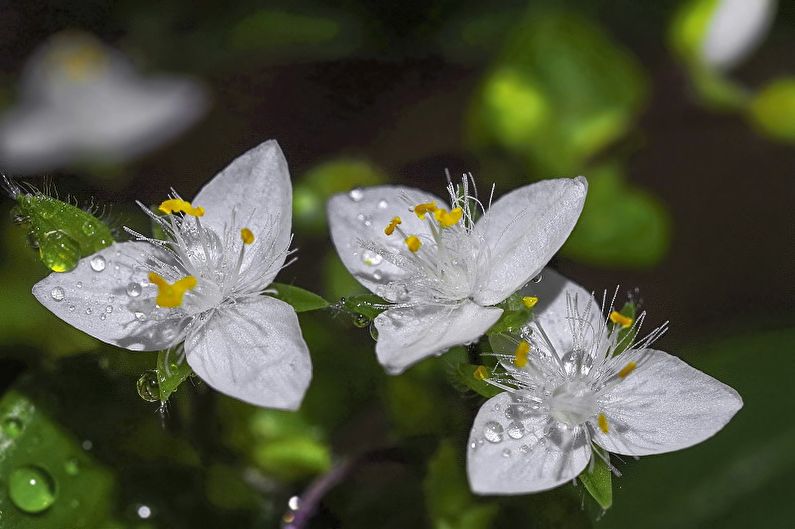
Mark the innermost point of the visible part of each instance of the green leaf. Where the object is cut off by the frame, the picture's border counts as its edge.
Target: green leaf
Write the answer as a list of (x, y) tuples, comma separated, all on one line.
[(450, 503), (772, 110), (599, 480), (619, 225), (172, 370), (466, 375), (63, 232), (301, 300), (72, 490), (557, 113), (368, 305)]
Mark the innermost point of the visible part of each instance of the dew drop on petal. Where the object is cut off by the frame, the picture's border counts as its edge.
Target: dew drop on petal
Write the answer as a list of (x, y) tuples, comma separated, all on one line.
[(371, 258), (57, 294), (79, 284), (134, 290), (102, 316), (524, 449), (356, 194), (108, 309), (383, 204), (377, 275), (32, 489), (71, 308), (538, 278), (493, 431), (88, 310), (98, 263), (506, 452), (516, 430), (140, 316)]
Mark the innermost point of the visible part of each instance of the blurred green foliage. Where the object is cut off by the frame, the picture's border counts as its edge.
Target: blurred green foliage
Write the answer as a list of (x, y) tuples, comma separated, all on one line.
[(772, 110)]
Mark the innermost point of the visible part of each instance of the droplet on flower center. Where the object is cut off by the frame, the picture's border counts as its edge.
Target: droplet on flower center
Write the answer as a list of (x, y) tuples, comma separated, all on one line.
[(573, 403)]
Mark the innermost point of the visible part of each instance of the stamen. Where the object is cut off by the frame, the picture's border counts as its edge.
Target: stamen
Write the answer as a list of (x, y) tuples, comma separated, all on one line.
[(448, 218), (619, 319), (481, 373), (520, 354), (529, 301), (247, 235), (177, 205), (413, 242), (627, 369), (390, 229), (422, 209), (603, 423), (170, 296)]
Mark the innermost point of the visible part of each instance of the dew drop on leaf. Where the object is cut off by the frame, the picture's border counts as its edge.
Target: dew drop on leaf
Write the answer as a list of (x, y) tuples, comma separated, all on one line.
[(12, 427), (148, 387), (361, 321), (59, 252), (32, 489)]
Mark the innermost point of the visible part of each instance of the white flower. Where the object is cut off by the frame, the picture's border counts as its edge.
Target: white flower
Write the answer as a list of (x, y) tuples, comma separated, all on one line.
[(734, 29), (442, 269), (564, 390), (80, 99), (203, 285)]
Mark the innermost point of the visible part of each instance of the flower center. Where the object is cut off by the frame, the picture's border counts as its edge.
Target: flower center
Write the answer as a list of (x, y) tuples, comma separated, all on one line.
[(573, 403)]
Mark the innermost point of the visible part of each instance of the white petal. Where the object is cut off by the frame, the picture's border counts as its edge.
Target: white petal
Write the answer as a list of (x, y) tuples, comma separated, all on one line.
[(534, 454), (524, 229), (407, 335), (736, 28), (34, 138), (362, 215), (253, 192), (253, 351), (664, 405), (83, 297)]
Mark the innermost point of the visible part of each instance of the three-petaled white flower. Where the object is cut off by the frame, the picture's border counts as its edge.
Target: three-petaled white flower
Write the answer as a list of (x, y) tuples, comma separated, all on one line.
[(565, 389), (444, 270), (203, 285), (80, 99)]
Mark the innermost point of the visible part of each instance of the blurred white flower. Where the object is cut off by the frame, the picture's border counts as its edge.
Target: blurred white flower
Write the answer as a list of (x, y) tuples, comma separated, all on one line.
[(82, 100), (203, 285), (444, 270), (566, 389)]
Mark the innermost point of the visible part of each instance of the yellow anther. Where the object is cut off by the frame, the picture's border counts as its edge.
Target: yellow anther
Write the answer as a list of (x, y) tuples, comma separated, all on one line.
[(627, 369), (413, 242), (448, 218), (529, 301), (481, 373), (177, 205), (390, 229), (247, 235), (425, 207), (619, 319), (170, 296), (81, 63), (603, 423), (520, 354)]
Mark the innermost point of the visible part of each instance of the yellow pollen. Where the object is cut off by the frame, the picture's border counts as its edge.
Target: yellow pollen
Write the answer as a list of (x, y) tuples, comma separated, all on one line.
[(627, 369), (448, 218), (247, 235), (603, 423), (82, 62), (390, 229), (619, 319), (413, 242), (422, 209), (520, 354), (481, 373), (177, 205), (529, 301), (170, 296)]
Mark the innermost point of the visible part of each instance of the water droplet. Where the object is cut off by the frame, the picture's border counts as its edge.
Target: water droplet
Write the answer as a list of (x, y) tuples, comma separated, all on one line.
[(57, 294), (134, 290), (12, 427), (71, 308), (98, 263), (102, 316), (506, 452), (524, 449), (89, 228), (377, 275), (148, 388), (87, 445), (537, 279), (294, 503), (32, 489), (371, 258), (58, 251), (143, 512), (360, 320), (383, 204), (356, 194), (79, 284), (140, 316), (373, 331), (89, 311), (492, 431), (72, 467), (108, 309), (516, 430), (473, 445)]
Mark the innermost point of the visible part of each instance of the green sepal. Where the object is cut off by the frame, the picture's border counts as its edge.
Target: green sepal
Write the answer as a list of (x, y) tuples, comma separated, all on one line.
[(63, 232), (301, 300), (172, 370), (367, 305), (598, 481), (514, 316), (465, 373), (624, 340)]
